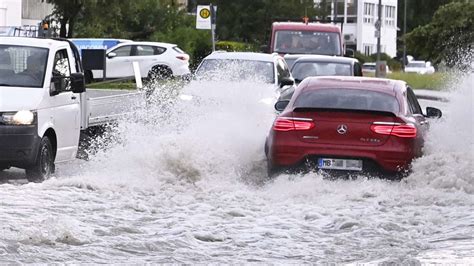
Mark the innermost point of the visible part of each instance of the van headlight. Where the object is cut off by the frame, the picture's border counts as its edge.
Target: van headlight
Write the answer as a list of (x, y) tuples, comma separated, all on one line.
[(19, 118)]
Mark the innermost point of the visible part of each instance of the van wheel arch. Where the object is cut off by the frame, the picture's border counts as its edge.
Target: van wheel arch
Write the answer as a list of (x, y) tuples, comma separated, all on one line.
[(51, 134), (43, 166)]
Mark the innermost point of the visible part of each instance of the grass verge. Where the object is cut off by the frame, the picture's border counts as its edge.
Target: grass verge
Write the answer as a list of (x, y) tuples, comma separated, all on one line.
[(436, 81)]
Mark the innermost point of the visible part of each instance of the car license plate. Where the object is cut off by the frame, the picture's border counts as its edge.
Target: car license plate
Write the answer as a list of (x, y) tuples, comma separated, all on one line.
[(340, 164)]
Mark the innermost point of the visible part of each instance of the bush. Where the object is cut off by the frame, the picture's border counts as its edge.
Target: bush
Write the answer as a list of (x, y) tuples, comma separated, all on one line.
[(362, 57), (231, 46)]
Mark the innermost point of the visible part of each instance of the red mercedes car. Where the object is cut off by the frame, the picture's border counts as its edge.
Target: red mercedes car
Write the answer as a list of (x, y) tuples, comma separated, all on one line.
[(349, 124)]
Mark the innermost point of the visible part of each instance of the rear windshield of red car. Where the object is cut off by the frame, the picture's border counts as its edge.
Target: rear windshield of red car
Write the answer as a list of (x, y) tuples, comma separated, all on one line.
[(347, 99)]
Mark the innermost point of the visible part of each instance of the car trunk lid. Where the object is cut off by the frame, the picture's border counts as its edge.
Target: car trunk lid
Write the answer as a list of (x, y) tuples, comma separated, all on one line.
[(344, 127)]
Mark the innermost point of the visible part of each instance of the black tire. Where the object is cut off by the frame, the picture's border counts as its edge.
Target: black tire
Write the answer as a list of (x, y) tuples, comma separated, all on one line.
[(44, 165), (272, 171), (160, 73)]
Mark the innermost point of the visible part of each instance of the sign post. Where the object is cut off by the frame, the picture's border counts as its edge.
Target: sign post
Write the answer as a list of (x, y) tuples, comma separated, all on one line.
[(381, 68), (203, 17), (206, 20)]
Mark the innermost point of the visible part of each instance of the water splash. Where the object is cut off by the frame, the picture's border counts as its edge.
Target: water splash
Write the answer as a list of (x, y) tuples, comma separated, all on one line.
[(448, 160), (217, 131)]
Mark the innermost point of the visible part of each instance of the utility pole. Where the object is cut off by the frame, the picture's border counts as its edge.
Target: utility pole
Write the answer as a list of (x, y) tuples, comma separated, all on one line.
[(404, 34), (378, 26)]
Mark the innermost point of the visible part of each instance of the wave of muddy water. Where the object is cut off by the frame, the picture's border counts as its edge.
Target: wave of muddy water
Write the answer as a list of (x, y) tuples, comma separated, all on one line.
[(186, 184)]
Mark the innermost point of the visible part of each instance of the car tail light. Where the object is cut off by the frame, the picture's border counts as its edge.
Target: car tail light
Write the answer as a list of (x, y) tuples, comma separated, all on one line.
[(290, 124), (183, 57), (394, 129)]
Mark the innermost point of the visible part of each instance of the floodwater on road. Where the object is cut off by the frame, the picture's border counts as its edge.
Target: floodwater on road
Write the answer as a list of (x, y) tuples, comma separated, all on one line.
[(187, 184)]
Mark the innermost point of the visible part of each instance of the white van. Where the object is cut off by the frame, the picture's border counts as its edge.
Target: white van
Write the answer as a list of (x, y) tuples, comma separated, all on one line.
[(43, 106)]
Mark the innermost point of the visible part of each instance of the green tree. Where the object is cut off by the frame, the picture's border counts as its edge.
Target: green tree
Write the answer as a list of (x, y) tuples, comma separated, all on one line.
[(419, 12), (448, 37), (67, 11)]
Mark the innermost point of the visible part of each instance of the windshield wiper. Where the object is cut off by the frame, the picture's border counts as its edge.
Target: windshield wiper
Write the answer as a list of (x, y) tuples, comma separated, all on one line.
[(6, 85)]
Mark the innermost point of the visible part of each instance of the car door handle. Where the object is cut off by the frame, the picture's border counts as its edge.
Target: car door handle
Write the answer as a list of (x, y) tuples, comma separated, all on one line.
[(73, 97)]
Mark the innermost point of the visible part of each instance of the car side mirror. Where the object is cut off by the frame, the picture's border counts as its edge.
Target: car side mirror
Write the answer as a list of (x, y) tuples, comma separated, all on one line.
[(286, 82), (111, 55), (432, 112), (54, 87), (281, 105), (58, 84), (78, 83)]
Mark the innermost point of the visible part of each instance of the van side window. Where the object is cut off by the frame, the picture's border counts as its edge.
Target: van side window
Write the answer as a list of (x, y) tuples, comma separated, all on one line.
[(62, 70), (61, 64)]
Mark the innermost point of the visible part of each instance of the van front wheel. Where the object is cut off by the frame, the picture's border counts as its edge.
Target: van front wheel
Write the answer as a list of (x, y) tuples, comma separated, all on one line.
[(44, 165)]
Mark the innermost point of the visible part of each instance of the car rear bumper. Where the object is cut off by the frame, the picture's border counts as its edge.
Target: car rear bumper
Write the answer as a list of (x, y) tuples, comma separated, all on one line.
[(181, 70), (18, 145), (380, 158)]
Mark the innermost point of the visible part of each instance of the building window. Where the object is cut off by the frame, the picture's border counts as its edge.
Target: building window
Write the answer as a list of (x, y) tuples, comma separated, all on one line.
[(367, 49), (352, 11), (390, 16), (369, 12)]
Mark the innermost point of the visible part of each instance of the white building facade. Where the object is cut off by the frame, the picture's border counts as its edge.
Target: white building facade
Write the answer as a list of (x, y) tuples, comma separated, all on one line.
[(10, 13), (16, 13), (34, 11), (359, 29)]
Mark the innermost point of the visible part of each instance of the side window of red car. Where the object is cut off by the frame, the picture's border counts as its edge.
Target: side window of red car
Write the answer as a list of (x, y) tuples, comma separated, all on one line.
[(282, 70), (413, 102)]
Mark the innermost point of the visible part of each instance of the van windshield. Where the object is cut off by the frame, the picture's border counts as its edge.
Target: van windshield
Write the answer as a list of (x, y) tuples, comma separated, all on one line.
[(22, 66), (307, 42)]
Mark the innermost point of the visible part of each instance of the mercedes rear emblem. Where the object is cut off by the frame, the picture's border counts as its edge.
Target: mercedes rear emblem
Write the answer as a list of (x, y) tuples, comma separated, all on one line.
[(342, 129)]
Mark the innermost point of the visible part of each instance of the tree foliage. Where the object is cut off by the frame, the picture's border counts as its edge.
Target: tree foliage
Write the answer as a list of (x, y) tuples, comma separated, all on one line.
[(448, 37), (419, 12), (67, 11)]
